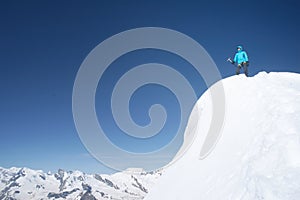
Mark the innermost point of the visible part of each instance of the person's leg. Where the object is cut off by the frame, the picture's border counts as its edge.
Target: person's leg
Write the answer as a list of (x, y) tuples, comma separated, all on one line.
[(245, 66), (238, 68)]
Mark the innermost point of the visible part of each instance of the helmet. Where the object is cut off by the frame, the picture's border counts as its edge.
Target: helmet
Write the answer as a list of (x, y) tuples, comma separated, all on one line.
[(239, 47)]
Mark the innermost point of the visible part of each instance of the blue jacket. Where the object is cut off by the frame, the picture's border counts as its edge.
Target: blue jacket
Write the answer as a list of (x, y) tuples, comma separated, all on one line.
[(240, 56)]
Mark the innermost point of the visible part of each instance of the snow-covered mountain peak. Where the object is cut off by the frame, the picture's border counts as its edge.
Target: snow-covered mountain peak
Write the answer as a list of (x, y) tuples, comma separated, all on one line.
[(258, 153), (24, 183)]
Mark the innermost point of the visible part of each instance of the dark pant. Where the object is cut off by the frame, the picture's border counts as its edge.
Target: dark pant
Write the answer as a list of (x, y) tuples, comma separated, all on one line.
[(245, 68)]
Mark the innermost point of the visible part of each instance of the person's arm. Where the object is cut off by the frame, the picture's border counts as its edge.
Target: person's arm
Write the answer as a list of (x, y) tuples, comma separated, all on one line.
[(235, 58), (246, 56)]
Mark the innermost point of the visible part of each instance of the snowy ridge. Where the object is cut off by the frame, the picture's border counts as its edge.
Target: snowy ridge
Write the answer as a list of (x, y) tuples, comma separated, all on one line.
[(24, 183), (258, 154)]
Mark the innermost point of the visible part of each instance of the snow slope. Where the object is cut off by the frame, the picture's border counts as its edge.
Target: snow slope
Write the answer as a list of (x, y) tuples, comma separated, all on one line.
[(25, 184), (258, 154)]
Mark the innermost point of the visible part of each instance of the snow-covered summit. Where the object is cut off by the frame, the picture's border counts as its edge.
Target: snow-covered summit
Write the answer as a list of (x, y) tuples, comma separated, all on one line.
[(258, 153)]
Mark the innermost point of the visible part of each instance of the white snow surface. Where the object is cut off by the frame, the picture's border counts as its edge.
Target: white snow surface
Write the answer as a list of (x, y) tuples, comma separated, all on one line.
[(258, 154)]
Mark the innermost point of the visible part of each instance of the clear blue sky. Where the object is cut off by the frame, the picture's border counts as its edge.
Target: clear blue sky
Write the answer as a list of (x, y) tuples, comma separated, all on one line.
[(43, 44)]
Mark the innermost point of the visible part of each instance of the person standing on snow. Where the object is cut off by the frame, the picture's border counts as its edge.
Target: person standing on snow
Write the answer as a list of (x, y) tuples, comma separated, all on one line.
[(241, 58)]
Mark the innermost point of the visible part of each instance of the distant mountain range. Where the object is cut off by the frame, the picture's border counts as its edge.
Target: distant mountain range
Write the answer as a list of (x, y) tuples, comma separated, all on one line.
[(24, 184)]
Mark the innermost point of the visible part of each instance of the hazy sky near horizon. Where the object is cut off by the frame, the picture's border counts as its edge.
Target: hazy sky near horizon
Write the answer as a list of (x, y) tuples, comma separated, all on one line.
[(43, 44)]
